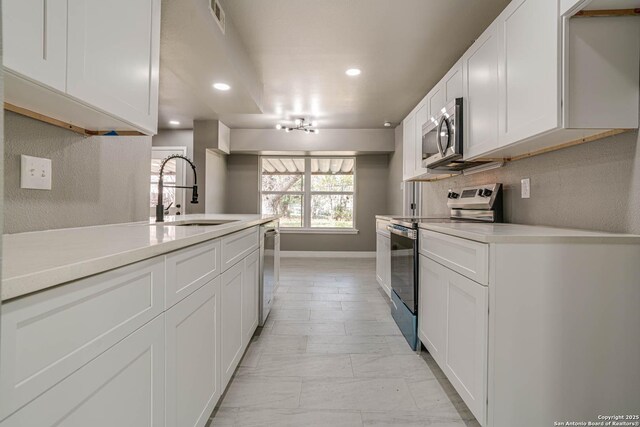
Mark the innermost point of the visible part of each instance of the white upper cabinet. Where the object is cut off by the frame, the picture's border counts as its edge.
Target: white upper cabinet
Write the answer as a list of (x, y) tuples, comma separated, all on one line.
[(529, 58), (113, 61), (408, 146), (453, 83), (436, 99), (422, 115), (90, 63), (480, 104), (35, 40)]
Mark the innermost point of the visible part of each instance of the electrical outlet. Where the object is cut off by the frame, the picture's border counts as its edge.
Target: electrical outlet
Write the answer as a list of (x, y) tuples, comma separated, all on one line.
[(525, 188), (35, 173)]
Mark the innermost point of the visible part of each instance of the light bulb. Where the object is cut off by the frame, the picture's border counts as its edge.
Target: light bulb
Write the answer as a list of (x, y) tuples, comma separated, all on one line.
[(314, 123), (278, 126), (297, 122), (287, 130), (221, 86)]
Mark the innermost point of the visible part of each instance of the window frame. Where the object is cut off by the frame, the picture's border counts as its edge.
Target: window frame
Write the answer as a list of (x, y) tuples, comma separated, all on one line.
[(307, 195)]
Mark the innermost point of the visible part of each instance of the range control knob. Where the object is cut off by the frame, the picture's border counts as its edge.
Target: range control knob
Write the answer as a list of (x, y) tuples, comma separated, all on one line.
[(452, 195), (486, 192)]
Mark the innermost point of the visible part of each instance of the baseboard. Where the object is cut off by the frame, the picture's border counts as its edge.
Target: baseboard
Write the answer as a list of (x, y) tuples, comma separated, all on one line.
[(326, 254)]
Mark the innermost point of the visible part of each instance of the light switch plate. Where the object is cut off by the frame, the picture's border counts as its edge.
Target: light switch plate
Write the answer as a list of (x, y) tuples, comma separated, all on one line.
[(35, 173), (525, 188)]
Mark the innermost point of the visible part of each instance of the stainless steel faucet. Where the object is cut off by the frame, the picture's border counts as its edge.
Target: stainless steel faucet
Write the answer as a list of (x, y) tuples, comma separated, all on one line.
[(161, 185)]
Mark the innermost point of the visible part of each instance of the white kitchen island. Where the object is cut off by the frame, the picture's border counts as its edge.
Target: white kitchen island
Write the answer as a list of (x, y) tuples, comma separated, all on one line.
[(131, 324), (531, 324)]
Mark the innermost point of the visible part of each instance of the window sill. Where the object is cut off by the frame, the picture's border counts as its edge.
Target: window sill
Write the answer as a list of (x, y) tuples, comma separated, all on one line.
[(319, 230)]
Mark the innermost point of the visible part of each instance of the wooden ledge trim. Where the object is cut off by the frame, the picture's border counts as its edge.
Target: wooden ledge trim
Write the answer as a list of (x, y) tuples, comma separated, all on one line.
[(64, 125)]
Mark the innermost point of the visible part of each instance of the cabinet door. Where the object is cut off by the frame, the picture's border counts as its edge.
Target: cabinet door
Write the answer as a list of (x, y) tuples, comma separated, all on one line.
[(124, 386), (386, 262), (453, 83), (113, 57), (436, 99), (422, 115), (432, 307), (467, 316), (46, 336), (529, 54), (35, 40), (193, 357), (250, 296), (480, 80), (408, 146), (380, 259), (231, 321)]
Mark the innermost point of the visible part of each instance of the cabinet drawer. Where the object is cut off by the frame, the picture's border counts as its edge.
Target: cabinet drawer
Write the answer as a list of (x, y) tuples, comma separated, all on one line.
[(238, 245), (189, 269), (471, 259), (124, 386), (381, 227), (49, 335)]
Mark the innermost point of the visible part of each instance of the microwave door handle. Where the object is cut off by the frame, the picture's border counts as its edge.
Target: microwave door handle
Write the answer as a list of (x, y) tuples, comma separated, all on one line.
[(443, 122)]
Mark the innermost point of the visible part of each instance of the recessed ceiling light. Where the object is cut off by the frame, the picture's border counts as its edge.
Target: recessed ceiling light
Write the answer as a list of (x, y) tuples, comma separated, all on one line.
[(221, 86), (387, 124), (353, 72), (174, 122)]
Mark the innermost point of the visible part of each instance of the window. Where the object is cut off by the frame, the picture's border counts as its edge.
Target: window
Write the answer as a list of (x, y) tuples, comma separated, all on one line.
[(309, 192)]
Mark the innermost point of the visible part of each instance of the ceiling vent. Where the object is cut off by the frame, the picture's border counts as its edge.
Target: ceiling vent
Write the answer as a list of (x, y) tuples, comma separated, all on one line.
[(218, 13)]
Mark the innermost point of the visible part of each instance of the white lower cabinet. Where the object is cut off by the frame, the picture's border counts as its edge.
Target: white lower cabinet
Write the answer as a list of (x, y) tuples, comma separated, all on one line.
[(239, 296), (432, 308), (122, 387), (453, 324), (250, 296), (194, 384), (467, 341), (231, 293), (108, 351), (383, 262)]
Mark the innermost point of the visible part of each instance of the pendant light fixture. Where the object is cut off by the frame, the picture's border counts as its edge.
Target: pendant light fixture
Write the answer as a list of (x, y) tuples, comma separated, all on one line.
[(300, 124)]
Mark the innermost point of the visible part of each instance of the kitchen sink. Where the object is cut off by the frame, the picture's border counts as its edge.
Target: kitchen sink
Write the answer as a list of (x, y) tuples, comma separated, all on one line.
[(198, 222)]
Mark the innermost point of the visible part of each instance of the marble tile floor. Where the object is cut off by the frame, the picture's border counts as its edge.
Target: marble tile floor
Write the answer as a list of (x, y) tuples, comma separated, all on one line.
[(330, 354)]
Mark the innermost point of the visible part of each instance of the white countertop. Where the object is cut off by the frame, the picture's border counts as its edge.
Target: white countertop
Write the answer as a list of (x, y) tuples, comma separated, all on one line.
[(38, 260), (516, 233)]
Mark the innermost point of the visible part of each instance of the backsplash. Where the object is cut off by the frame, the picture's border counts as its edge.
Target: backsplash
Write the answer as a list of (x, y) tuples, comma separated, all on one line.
[(593, 186), (96, 180)]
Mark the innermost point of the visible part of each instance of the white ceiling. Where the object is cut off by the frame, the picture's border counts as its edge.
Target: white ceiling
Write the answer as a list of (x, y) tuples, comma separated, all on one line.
[(301, 48)]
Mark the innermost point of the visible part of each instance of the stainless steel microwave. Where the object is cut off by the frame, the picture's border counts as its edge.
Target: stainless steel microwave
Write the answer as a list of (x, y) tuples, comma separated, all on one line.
[(442, 138)]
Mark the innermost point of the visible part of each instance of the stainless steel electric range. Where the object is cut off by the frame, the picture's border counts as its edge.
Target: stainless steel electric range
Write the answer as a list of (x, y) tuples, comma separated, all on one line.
[(482, 203)]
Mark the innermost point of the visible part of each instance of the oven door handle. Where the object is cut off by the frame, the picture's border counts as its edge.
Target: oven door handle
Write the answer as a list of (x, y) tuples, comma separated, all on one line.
[(409, 234)]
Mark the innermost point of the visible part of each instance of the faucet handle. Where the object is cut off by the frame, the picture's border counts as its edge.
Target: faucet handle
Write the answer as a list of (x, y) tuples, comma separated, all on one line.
[(194, 195)]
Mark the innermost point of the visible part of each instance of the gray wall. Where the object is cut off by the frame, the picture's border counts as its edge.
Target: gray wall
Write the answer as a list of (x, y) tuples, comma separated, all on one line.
[(242, 184), (394, 193), (354, 141), (371, 199), (96, 180), (592, 186), (216, 178)]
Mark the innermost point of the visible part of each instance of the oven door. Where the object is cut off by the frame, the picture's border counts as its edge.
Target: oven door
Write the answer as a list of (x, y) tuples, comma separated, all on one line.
[(404, 268)]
